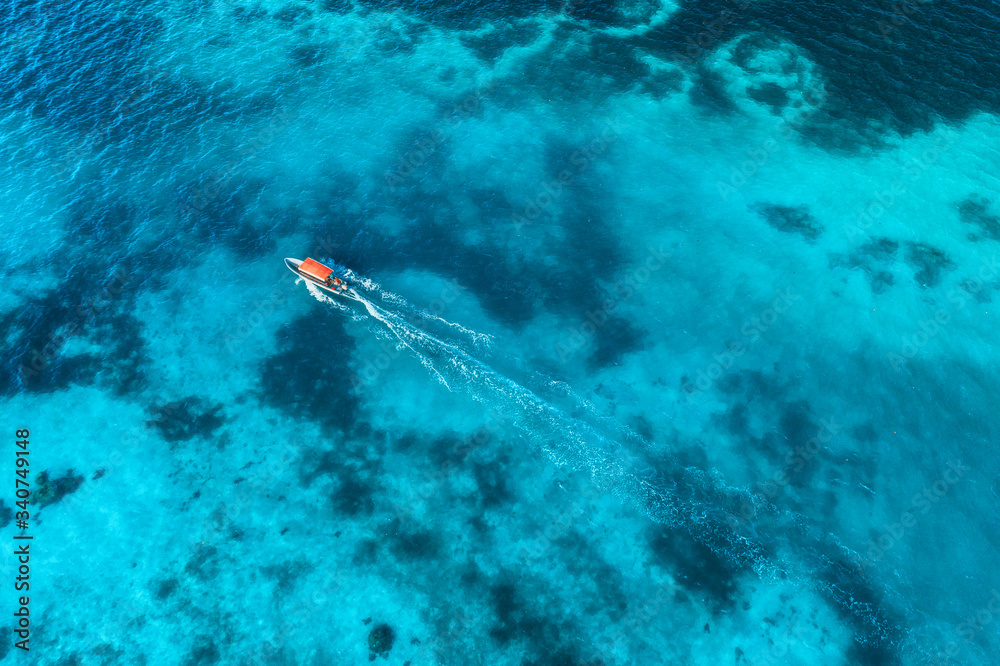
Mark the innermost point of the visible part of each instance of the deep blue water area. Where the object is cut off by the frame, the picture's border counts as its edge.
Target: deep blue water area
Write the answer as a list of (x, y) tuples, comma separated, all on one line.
[(670, 336)]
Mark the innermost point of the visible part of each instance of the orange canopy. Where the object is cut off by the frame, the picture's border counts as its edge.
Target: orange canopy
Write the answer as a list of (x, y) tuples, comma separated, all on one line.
[(315, 269)]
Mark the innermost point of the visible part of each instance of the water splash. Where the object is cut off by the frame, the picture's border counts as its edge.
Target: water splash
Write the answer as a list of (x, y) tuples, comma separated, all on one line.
[(682, 498), (481, 341), (689, 500)]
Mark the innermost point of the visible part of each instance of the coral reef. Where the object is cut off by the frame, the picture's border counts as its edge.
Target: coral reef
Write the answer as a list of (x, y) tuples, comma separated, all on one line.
[(380, 640), (49, 491)]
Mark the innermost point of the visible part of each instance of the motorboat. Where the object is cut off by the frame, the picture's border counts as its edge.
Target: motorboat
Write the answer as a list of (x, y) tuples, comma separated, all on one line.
[(318, 274)]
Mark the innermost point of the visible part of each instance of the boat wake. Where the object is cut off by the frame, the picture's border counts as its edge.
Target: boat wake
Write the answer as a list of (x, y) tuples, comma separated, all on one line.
[(738, 525), (481, 341), (678, 499)]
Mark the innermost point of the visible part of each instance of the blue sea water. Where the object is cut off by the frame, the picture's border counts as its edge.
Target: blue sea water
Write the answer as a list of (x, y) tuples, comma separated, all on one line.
[(674, 337)]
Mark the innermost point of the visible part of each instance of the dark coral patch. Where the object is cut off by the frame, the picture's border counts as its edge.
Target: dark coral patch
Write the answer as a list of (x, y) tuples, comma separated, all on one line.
[(469, 13), (311, 375), (611, 12), (615, 338), (354, 497), (708, 91), (292, 14), (587, 564), (478, 270), (491, 44), (337, 6), (287, 573), (6, 515), (791, 219), (307, 55), (380, 641), (516, 620), (662, 83), (616, 62), (165, 588), (218, 211), (696, 566), (770, 94), (510, 288), (315, 465), (904, 69), (865, 653), (413, 544), (510, 612), (880, 249), (248, 14), (49, 491), (491, 478), (976, 211), (185, 419), (93, 306), (860, 604), (881, 281), (601, 13), (204, 653), (103, 222), (875, 258), (929, 263), (249, 241), (390, 40), (366, 553), (204, 564)]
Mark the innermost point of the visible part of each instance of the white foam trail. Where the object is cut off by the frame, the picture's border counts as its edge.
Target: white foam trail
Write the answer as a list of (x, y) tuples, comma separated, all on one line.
[(681, 498), (480, 340), (403, 331), (361, 280), (318, 294), (574, 443), (604, 420)]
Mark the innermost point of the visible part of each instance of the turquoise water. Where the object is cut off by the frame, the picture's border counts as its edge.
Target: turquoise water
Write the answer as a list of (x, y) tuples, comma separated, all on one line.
[(673, 337)]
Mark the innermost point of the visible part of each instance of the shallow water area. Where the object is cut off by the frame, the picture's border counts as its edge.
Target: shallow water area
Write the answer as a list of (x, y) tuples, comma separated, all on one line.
[(670, 336)]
